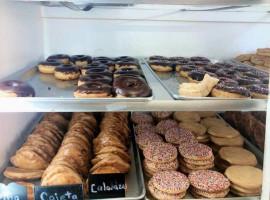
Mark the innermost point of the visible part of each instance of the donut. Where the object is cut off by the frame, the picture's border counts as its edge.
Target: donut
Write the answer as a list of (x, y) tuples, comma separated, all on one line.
[(227, 73), (227, 81), (265, 80), (14, 88), (91, 66), (128, 71), (173, 59), (93, 90), (241, 68), (196, 76), (126, 64), (127, 58), (94, 78), (162, 115), (101, 58), (80, 60), (131, 86), (67, 72), (228, 91), (179, 63), (147, 138), (61, 57), (161, 65), (145, 128), (48, 66), (139, 118), (259, 91), (109, 63), (185, 69), (256, 74), (199, 58), (157, 58), (199, 64), (180, 136), (212, 67), (248, 80), (165, 125), (99, 71), (162, 166)]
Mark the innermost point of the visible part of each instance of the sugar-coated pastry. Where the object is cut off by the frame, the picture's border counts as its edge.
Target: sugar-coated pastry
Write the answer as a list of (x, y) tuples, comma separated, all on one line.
[(80, 60), (93, 90), (67, 72), (61, 57), (14, 88)]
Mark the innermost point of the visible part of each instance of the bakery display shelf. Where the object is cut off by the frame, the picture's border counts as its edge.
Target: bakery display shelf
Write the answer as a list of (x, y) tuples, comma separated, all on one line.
[(134, 179), (249, 66)]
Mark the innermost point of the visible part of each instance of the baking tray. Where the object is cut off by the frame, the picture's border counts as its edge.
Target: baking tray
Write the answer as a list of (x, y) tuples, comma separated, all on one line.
[(48, 87), (172, 80), (248, 66), (134, 179)]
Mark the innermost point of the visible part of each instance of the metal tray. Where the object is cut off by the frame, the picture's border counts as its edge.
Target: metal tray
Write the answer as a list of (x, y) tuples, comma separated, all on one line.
[(248, 66), (172, 80), (47, 87), (134, 179)]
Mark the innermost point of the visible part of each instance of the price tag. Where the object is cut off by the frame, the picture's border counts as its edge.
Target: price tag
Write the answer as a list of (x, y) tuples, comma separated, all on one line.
[(106, 186), (59, 192), (13, 191)]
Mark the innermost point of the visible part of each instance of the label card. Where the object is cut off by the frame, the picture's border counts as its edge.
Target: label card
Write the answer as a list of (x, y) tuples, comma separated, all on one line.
[(59, 192), (106, 186), (12, 191)]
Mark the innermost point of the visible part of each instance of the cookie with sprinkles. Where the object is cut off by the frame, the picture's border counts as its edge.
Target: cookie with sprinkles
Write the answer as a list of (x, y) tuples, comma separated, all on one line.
[(138, 118), (160, 195), (199, 162), (165, 125), (145, 128), (205, 194), (162, 166), (148, 171), (208, 180), (195, 151), (196, 167), (171, 182), (185, 169), (160, 152), (162, 115), (147, 138), (179, 135)]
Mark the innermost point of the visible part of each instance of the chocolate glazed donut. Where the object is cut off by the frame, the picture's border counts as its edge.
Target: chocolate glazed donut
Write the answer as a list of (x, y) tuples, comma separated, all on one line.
[(102, 58), (104, 72), (62, 57), (127, 58), (80, 60), (96, 78), (48, 66), (67, 72), (109, 63), (14, 88), (91, 66), (128, 71), (93, 90), (131, 86)]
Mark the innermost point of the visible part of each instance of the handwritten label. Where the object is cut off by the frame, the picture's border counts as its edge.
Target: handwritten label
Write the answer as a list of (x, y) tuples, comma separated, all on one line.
[(106, 186), (59, 192), (12, 191)]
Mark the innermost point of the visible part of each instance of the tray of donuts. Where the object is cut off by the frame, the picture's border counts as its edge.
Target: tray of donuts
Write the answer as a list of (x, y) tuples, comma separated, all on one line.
[(66, 148), (201, 78), (196, 155), (82, 76)]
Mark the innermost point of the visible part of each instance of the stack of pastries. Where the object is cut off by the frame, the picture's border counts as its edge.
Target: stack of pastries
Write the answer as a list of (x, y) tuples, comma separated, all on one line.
[(111, 145)]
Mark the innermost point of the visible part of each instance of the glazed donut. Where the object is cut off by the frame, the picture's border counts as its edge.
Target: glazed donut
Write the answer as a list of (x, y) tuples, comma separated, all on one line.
[(14, 88), (224, 65), (126, 64), (128, 71), (227, 81), (196, 76), (157, 58), (259, 91), (200, 64), (94, 78), (212, 68), (185, 69), (179, 63), (91, 66), (102, 58), (199, 58), (241, 68), (173, 59), (48, 66), (226, 91), (109, 63), (67, 72), (161, 65), (248, 80), (93, 90), (128, 58), (228, 73), (265, 80), (80, 60), (256, 74), (100, 71), (62, 57), (131, 86)]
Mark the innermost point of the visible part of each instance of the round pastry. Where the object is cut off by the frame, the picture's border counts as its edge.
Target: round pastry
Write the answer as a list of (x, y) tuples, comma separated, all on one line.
[(244, 57), (258, 91), (224, 91), (196, 76), (127, 58), (106, 170), (194, 127), (14, 88), (204, 114), (198, 64), (185, 69), (165, 125), (199, 162), (91, 66), (179, 63), (160, 152), (265, 80), (203, 194), (80, 60), (178, 58), (223, 73), (94, 78), (185, 116), (67, 72), (121, 64), (139, 118), (171, 182), (48, 66), (162, 115), (248, 81), (161, 65), (210, 121), (162, 166), (212, 68), (99, 71), (227, 81), (180, 136), (93, 90), (196, 167), (128, 71), (157, 58), (102, 58), (236, 141), (147, 138), (195, 151), (255, 74), (131, 86), (241, 68), (145, 128), (109, 63), (61, 57), (223, 132), (199, 58)]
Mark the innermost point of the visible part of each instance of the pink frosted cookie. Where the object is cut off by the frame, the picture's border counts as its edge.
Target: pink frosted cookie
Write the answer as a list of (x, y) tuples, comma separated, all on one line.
[(195, 151), (179, 135), (158, 194), (208, 180), (147, 138), (162, 115), (162, 166), (145, 128), (171, 182), (164, 125), (160, 152), (138, 118)]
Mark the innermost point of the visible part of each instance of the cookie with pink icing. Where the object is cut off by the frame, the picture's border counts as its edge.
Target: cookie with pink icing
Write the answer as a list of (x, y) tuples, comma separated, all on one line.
[(147, 138), (158, 194), (162, 166), (179, 135), (195, 151), (145, 128), (164, 125), (208, 180), (138, 118), (171, 182), (160, 152)]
